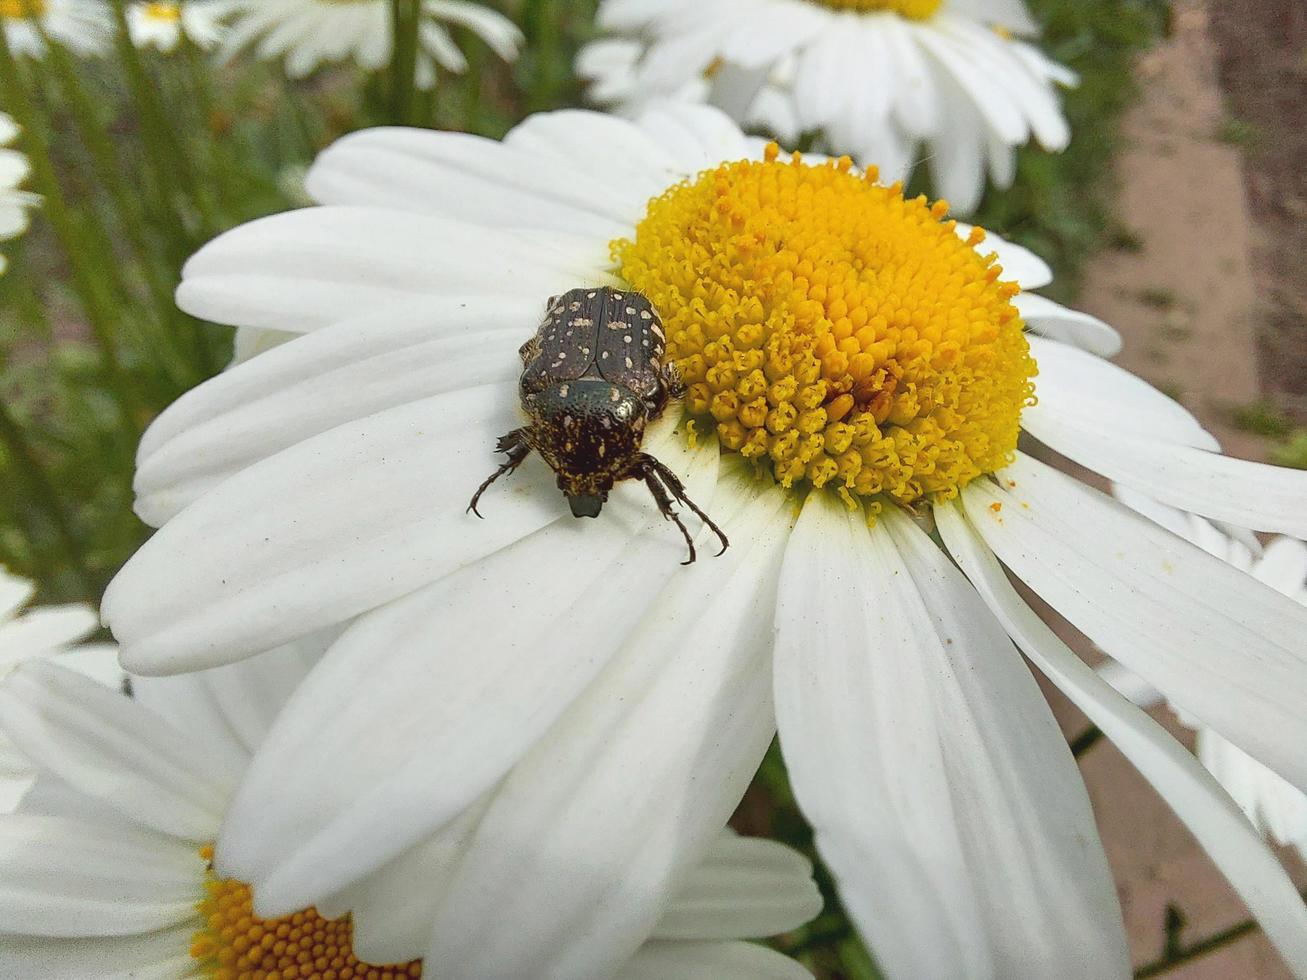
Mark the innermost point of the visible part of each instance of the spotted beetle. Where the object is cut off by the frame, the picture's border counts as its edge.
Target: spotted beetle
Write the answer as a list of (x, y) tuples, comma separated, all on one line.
[(593, 378)]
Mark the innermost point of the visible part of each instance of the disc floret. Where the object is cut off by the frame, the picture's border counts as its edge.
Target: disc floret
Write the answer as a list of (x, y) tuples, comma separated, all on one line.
[(834, 330)]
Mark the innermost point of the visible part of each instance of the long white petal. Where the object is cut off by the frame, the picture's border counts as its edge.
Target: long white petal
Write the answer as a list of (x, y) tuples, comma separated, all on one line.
[(61, 877), (471, 178), (1129, 450), (1187, 787), (162, 955), (1073, 384), (710, 961), (744, 888), (278, 562), (940, 788), (119, 752), (339, 374), (589, 836), (304, 269), (1220, 644), (1058, 322), (468, 672)]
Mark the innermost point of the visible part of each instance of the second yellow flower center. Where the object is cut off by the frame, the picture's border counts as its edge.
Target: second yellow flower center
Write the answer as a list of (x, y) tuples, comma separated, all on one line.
[(833, 330), (912, 9), (22, 9), (164, 11), (236, 945)]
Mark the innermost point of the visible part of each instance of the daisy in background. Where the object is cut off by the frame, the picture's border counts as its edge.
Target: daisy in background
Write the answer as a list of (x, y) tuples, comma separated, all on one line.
[(890, 82), (309, 33), (44, 633), (109, 871), (1276, 807), (15, 203), (82, 26), (599, 707), (163, 23)]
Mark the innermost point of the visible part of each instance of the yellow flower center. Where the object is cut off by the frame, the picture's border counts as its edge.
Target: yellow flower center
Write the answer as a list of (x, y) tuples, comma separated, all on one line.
[(235, 945), (834, 330), (22, 9), (912, 9), (170, 12)]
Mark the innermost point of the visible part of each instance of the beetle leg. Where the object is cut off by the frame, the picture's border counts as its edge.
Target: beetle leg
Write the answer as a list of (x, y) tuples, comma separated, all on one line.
[(515, 444), (664, 502), (677, 488)]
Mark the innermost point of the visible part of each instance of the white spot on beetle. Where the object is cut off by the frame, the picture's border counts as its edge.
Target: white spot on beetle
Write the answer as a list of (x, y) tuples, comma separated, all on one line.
[(614, 395)]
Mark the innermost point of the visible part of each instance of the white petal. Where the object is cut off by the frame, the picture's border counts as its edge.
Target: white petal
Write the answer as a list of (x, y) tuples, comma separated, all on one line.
[(312, 384), (464, 688), (1220, 644), (617, 152), (1058, 322), (44, 629), (1196, 798), (323, 531), (304, 269), (589, 836), (940, 788), (744, 888), (1020, 265), (67, 878), (236, 704), (117, 751), (15, 593), (471, 178), (1131, 450), (1073, 385), (699, 137), (162, 955), (710, 961)]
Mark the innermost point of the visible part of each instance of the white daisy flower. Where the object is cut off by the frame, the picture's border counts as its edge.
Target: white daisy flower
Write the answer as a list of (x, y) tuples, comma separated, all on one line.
[(163, 23), (309, 33), (82, 26), (553, 675), (15, 203), (44, 633), (891, 82), (109, 871), (1276, 807)]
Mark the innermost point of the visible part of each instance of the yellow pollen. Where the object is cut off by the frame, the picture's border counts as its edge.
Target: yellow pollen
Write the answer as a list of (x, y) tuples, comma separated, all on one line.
[(912, 9), (163, 11), (833, 330), (235, 945), (22, 9)]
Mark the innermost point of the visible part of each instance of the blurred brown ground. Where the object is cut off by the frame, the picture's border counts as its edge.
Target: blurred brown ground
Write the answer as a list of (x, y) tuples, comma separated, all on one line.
[(1216, 279)]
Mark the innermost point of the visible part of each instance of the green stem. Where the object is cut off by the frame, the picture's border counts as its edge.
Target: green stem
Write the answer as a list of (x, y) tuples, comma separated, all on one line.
[(405, 16), (99, 310), (43, 494)]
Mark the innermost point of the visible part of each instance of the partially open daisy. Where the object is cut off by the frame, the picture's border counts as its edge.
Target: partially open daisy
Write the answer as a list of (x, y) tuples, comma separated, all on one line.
[(109, 870), (1276, 807), (163, 23), (44, 633), (309, 33), (890, 82), (15, 203), (858, 370), (82, 26)]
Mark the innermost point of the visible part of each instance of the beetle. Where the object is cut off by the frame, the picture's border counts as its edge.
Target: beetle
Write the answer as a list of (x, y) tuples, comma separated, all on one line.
[(593, 378)]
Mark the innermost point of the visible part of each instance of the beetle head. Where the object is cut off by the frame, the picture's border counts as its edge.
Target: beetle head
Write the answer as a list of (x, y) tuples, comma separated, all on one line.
[(589, 432)]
